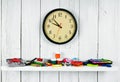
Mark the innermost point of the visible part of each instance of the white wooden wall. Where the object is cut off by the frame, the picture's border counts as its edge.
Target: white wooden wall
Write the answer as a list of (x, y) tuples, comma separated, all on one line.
[(98, 36)]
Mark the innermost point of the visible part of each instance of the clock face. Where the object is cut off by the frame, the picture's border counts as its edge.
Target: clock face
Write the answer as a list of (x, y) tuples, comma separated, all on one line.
[(59, 26)]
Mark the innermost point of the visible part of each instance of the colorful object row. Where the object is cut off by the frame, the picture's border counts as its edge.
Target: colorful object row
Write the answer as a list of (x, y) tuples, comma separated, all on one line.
[(40, 62)]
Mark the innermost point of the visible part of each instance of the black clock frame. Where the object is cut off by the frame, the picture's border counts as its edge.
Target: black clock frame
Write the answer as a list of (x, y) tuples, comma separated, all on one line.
[(45, 21)]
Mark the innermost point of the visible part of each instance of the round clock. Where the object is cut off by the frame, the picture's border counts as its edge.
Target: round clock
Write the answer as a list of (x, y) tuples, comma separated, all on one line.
[(59, 26)]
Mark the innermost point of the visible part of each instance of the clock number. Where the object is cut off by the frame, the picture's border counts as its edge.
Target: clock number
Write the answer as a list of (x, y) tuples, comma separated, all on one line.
[(70, 20), (66, 36), (65, 16), (48, 25), (59, 14), (54, 16), (71, 26), (50, 20), (53, 35), (59, 38), (70, 32), (50, 32)]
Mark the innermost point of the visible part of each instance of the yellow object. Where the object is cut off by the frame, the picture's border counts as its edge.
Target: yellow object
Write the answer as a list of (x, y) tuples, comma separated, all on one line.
[(92, 65), (35, 65), (57, 65)]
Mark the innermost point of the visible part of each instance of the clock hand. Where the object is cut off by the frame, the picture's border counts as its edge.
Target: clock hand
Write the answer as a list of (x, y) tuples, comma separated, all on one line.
[(57, 23)]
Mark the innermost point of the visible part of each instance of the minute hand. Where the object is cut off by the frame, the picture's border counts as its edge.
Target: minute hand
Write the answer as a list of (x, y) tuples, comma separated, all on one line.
[(56, 23)]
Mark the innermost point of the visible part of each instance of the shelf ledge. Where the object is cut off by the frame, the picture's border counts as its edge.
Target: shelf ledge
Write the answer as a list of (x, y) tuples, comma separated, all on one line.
[(84, 68)]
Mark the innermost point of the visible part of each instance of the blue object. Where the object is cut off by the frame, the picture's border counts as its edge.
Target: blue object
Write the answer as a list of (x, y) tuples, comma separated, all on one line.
[(107, 65)]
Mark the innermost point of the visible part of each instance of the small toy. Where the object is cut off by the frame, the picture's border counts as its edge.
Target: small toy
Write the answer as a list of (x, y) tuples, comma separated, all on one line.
[(65, 60), (66, 64), (49, 64), (100, 61), (106, 65), (53, 61), (77, 63), (15, 62), (35, 65), (57, 65), (86, 62), (59, 61), (29, 62), (92, 65), (38, 63), (39, 59), (57, 55)]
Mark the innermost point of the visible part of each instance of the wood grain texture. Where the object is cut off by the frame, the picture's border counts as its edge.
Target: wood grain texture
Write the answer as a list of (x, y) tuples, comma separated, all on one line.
[(118, 36), (70, 49), (88, 35), (48, 49), (108, 13), (0, 40), (30, 35), (98, 35), (10, 36)]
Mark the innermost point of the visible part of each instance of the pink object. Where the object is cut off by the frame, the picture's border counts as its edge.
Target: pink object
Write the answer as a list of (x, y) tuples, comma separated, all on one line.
[(66, 60)]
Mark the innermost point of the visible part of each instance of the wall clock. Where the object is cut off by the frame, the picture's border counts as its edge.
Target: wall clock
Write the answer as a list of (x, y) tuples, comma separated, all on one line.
[(59, 26)]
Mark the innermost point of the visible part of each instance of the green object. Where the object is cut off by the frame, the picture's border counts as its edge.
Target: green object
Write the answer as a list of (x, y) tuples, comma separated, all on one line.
[(38, 63), (92, 65), (53, 61), (106, 61)]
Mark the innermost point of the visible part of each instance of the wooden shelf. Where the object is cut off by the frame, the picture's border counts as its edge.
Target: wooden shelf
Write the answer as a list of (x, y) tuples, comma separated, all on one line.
[(84, 68)]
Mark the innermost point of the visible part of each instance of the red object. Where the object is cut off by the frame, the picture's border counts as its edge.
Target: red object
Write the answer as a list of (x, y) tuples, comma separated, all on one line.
[(39, 59), (77, 63), (59, 61), (15, 60)]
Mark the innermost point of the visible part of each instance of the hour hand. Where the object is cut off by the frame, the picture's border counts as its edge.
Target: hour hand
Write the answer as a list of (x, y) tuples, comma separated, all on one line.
[(55, 24)]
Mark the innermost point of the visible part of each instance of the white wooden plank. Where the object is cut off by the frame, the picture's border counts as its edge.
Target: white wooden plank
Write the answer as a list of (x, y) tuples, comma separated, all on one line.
[(70, 49), (0, 41), (30, 35), (118, 36), (10, 36), (88, 36), (48, 49), (108, 13), (88, 29)]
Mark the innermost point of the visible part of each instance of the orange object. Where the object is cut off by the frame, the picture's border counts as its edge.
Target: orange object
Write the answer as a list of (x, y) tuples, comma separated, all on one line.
[(57, 55), (48, 64)]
